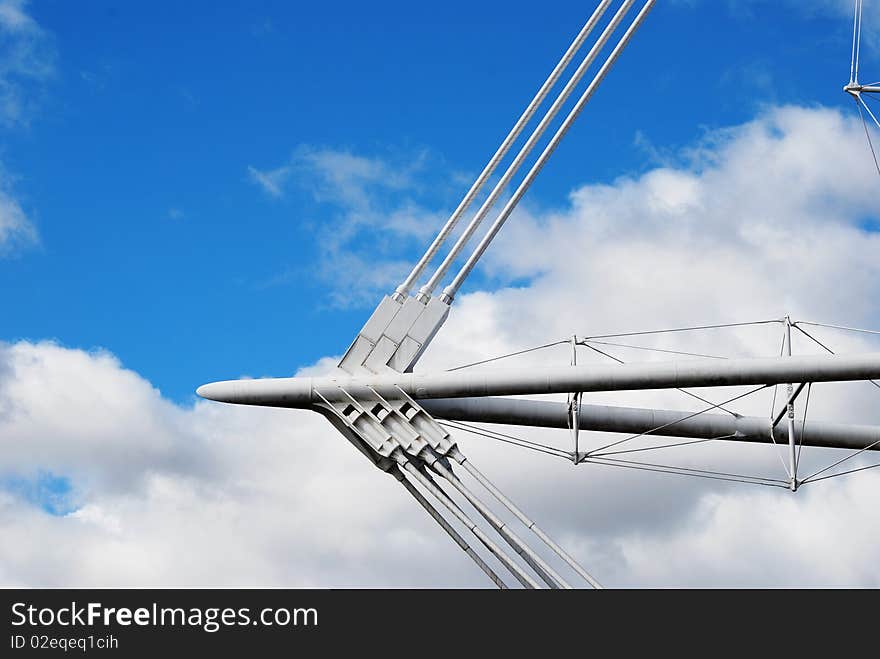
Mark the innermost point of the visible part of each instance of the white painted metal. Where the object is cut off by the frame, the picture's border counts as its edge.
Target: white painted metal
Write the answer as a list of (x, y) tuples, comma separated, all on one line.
[(632, 420), (446, 526), (300, 392), (487, 542), (401, 328), (354, 359), (386, 426), (791, 398), (437, 277), (574, 403), (854, 89), (547, 573), (857, 42), (792, 448), (450, 291), (403, 290), (399, 430), (522, 517)]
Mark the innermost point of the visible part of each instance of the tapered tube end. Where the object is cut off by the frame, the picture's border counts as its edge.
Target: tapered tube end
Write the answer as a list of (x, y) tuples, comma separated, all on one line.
[(271, 392), (222, 392)]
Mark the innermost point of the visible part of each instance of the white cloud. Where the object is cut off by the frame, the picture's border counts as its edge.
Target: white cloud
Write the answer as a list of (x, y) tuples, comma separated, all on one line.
[(870, 11), (184, 496), (372, 214), (838, 14), (16, 229), (758, 220), (13, 17), (808, 7), (271, 181), (27, 60), (337, 175)]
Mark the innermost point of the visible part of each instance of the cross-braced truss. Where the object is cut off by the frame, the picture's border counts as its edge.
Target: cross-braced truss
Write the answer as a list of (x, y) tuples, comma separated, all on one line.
[(705, 426)]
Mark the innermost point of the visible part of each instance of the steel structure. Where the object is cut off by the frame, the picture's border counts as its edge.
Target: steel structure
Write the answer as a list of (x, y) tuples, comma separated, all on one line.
[(856, 89), (392, 415)]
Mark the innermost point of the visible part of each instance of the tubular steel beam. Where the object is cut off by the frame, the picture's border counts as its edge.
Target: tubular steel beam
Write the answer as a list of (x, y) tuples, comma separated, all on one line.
[(524, 152), (538, 564), (299, 392), (512, 411), (522, 517), (493, 163), (450, 291), (521, 576), (446, 526)]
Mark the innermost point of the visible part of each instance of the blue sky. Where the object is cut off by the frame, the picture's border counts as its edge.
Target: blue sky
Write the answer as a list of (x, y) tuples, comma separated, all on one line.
[(200, 191), (135, 148)]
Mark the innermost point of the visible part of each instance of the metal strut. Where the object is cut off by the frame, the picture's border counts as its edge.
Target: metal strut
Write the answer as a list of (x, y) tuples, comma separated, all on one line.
[(401, 327), (398, 432), (440, 273), (547, 573), (456, 537), (521, 576), (856, 47), (853, 87), (450, 291), (519, 514), (403, 290), (792, 448), (574, 405)]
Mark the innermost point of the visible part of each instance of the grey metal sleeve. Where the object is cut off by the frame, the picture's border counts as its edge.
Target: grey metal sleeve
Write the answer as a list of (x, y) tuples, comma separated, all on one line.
[(512, 411)]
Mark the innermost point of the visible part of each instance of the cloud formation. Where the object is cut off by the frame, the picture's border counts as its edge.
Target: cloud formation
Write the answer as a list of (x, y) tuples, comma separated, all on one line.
[(752, 222), (16, 229), (373, 212), (27, 61)]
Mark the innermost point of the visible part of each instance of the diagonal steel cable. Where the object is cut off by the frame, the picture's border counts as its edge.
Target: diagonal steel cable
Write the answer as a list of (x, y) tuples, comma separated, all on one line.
[(859, 104), (699, 471), (841, 461), (797, 461), (662, 446), (825, 347), (507, 439), (640, 467), (844, 473), (684, 391), (510, 354), (684, 329), (684, 418), (669, 352), (839, 327)]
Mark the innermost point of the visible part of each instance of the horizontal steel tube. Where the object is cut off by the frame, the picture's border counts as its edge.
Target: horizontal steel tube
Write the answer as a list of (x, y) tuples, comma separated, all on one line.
[(636, 420), (298, 392)]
